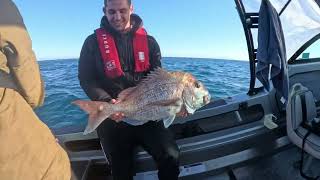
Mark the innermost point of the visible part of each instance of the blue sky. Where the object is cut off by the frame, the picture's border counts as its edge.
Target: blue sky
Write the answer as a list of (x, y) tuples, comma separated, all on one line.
[(183, 28)]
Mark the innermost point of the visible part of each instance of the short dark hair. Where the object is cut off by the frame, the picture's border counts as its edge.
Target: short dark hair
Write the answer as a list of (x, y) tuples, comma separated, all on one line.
[(105, 2)]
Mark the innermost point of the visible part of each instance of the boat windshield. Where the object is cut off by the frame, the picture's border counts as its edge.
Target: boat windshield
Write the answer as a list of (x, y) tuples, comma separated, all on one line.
[(300, 20)]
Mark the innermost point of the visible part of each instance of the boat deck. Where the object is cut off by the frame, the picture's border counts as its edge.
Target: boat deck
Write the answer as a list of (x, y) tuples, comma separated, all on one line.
[(281, 166)]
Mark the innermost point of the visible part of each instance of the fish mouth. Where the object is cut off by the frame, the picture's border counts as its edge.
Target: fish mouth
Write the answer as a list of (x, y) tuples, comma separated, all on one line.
[(206, 99)]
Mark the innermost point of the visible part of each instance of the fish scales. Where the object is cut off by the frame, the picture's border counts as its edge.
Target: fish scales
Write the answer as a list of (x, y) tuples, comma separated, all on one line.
[(160, 96)]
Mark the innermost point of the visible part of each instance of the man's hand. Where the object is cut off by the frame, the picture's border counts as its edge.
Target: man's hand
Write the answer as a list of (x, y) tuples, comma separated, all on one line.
[(116, 116), (183, 112)]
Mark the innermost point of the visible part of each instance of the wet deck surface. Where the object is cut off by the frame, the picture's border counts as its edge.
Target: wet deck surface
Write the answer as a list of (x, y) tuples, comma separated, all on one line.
[(281, 166)]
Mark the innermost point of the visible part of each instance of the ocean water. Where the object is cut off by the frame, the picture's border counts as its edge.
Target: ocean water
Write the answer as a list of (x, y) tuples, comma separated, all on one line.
[(223, 78)]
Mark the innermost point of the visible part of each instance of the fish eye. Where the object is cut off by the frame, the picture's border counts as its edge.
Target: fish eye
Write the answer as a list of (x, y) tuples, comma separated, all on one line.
[(197, 84)]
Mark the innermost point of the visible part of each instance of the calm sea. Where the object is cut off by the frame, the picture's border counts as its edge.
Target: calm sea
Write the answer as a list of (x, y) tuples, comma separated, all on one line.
[(222, 77)]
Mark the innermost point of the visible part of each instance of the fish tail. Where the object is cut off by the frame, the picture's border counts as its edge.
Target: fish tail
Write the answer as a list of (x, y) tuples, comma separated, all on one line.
[(98, 112)]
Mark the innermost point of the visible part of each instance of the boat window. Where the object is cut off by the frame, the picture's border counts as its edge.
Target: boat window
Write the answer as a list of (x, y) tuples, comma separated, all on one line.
[(312, 53)]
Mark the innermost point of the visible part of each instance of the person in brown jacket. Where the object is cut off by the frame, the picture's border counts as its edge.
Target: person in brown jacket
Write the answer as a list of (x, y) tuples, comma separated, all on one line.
[(28, 149)]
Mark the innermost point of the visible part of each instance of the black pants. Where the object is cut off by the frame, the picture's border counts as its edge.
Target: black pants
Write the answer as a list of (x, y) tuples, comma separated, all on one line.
[(120, 139)]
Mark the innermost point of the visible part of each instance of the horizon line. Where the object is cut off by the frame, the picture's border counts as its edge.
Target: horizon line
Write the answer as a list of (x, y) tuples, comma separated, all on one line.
[(209, 58)]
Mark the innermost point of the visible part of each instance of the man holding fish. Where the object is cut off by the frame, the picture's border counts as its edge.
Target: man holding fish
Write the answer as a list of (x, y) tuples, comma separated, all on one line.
[(133, 99)]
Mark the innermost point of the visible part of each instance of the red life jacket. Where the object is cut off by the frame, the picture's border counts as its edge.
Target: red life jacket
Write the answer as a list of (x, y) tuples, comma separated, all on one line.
[(110, 57)]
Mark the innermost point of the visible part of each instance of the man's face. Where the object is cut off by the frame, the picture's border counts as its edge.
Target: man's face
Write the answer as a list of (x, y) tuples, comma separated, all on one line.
[(118, 14)]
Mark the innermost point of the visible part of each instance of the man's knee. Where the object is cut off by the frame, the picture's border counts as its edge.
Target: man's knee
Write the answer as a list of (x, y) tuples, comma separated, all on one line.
[(170, 157), (174, 154)]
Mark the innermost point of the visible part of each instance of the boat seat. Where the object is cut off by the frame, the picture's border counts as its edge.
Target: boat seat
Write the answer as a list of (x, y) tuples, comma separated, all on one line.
[(300, 96)]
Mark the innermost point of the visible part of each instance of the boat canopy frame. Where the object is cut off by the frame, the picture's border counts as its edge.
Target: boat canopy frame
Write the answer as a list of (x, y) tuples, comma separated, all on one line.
[(250, 21)]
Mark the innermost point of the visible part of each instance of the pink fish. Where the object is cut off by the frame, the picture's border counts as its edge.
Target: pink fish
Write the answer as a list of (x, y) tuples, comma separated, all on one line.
[(160, 96)]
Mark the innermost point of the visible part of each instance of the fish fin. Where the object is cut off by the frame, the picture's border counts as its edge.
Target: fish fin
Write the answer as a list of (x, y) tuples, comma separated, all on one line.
[(98, 112), (125, 93), (168, 102), (157, 75), (190, 109), (168, 121)]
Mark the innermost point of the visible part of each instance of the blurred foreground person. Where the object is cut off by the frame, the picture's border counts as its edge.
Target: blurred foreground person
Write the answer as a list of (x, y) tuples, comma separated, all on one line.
[(28, 149)]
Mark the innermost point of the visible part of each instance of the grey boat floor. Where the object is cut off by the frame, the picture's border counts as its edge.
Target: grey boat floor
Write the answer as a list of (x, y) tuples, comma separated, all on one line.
[(281, 166)]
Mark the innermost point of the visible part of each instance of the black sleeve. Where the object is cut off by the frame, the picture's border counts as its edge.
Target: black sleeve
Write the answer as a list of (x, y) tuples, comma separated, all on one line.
[(88, 73), (155, 53)]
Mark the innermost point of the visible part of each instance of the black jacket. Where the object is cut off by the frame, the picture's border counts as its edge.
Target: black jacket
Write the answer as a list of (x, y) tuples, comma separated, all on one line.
[(91, 73)]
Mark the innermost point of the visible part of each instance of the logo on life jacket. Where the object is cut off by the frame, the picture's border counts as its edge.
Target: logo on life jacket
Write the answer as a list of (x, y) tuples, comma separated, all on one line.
[(141, 56), (110, 65), (105, 43), (110, 57)]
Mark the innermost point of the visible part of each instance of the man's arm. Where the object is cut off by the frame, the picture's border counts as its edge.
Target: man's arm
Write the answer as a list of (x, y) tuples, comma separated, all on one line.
[(155, 53), (88, 73)]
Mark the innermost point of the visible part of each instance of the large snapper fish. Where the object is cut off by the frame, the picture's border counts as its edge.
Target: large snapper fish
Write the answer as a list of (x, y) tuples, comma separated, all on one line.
[(160, 96)]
